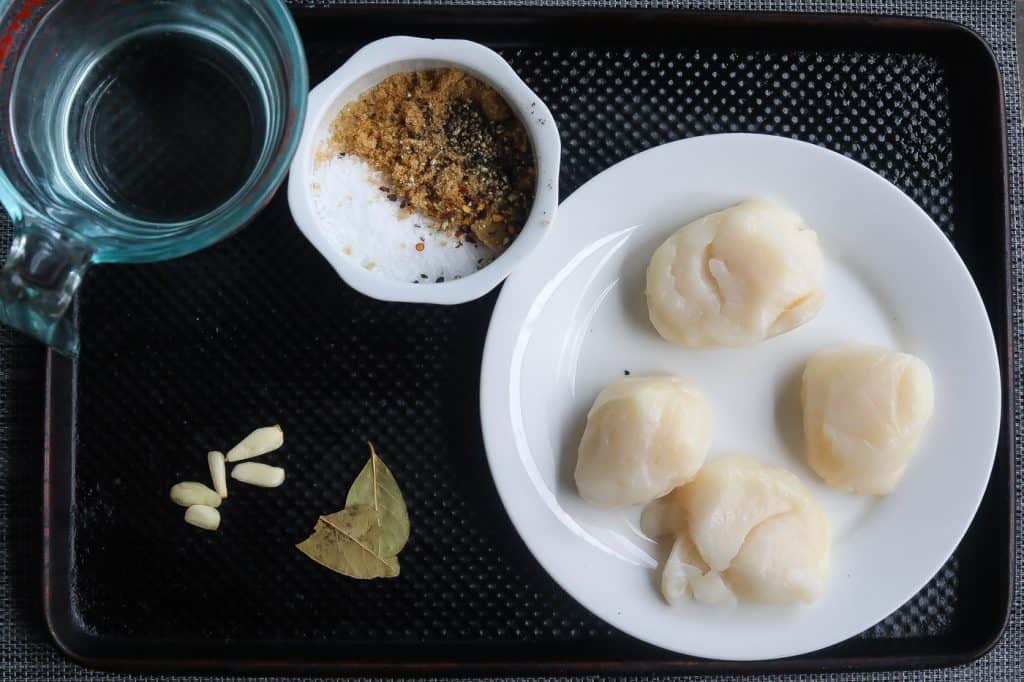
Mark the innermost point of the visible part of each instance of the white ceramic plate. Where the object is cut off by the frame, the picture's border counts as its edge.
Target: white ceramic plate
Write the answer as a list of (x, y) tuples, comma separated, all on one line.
[(573, 318)]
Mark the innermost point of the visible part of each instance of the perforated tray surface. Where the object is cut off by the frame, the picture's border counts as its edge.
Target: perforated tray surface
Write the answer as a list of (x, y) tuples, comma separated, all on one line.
[(186, 356)]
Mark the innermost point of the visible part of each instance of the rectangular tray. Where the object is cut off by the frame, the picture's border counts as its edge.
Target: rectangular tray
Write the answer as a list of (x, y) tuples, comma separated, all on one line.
[(186, 356)]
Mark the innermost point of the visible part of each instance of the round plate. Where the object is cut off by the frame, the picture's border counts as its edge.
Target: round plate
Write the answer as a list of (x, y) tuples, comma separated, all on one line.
[(573, 318)]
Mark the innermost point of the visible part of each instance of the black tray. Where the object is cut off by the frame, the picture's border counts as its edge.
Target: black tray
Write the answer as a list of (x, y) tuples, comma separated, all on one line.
[(185, 356)]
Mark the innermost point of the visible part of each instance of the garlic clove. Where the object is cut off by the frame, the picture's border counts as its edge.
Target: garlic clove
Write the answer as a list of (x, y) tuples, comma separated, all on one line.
[(189, 493), (259, 442), (255, 473), (202, 516), (218, 472)]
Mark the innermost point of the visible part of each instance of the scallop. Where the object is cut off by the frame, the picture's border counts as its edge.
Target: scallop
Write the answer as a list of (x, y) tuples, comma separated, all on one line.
[(685, 576), (664, 517), (730, 497), (644, 437), (682, 569), (735, 277), (865, 409), (783, 560), (743, 530)]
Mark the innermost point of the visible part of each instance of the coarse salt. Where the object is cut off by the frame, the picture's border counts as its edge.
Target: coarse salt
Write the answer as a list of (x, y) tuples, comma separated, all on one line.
[(364, 225)]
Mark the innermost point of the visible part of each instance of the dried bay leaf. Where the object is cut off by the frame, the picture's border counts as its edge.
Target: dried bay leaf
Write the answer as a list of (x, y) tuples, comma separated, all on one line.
[(347, 542), (363, 539), (375, 487)]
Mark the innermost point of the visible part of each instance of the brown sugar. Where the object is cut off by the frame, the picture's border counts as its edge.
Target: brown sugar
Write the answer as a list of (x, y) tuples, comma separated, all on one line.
[(448, 147)]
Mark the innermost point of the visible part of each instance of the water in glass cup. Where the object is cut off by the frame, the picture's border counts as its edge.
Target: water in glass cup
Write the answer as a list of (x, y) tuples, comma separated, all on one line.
[(138, 131), (164, 127)]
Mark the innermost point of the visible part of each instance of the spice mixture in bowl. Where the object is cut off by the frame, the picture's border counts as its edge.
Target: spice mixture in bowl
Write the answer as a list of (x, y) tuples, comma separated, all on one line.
[(427, 170), (449, 148)]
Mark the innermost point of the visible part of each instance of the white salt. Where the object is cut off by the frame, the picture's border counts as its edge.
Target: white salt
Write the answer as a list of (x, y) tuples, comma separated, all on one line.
[(364, 225)]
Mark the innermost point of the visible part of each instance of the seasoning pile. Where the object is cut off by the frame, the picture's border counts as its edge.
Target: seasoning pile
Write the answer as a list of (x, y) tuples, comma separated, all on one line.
[(446, 146)]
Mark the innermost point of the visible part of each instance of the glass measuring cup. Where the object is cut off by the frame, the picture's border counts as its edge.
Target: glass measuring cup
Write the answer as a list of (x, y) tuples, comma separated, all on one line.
[(135, 131)]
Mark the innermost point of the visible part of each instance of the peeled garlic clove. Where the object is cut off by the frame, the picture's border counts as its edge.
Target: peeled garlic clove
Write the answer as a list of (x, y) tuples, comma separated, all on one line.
[(218, 473), (202, 516), (255, 473), (189, 493), (259, 442)]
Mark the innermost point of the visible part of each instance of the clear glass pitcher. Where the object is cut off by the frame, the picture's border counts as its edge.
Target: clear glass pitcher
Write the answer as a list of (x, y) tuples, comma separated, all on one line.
[(135, 131)]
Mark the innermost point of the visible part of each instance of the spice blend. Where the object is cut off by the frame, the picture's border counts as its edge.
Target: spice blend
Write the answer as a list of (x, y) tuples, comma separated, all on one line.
[(448, 147)]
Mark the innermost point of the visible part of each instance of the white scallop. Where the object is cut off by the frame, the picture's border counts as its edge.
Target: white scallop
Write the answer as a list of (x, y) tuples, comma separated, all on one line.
[(752, 532), (685, 576), (865, 409), (735, 277), (682, 567), (785, 559), (664, 516), (731, 496), (644, 437)]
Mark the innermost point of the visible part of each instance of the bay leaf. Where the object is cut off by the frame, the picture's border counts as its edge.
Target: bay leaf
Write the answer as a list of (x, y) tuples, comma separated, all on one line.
[(375, 487), (346, 542)]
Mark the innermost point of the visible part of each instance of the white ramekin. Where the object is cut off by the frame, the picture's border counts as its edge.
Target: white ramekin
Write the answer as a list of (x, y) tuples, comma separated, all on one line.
[(398, 54)]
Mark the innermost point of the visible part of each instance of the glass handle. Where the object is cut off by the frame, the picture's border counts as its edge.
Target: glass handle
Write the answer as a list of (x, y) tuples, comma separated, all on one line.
[(37, 284)]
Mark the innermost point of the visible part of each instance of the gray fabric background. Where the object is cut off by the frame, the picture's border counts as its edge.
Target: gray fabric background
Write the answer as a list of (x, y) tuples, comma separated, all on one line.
[(25, 649)]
